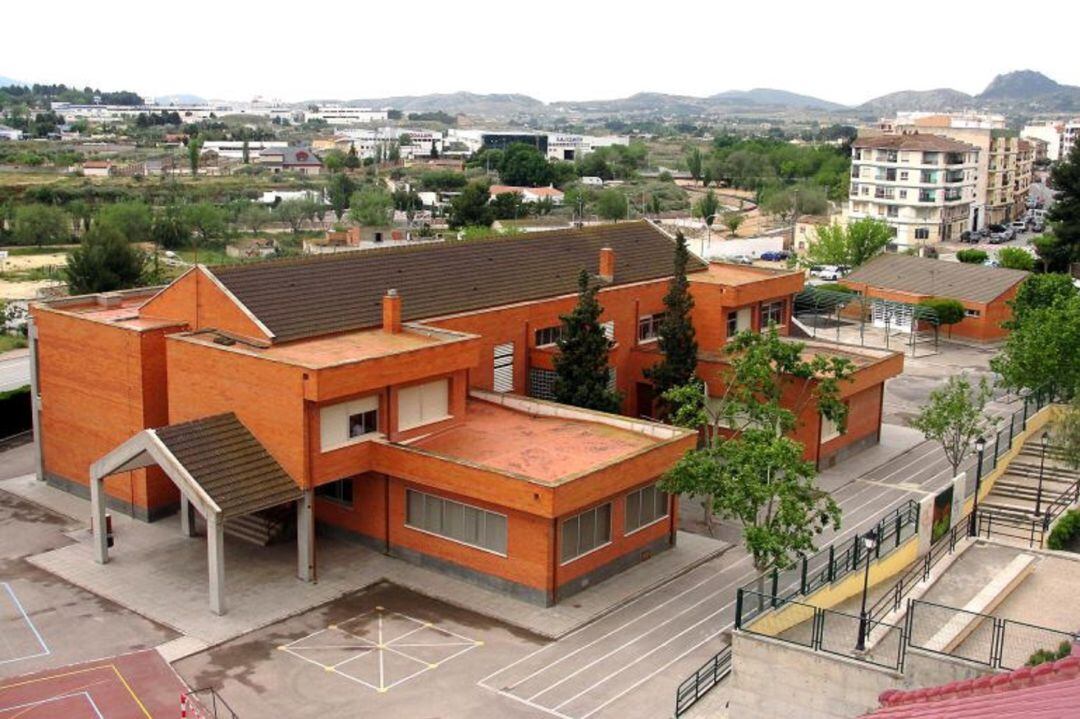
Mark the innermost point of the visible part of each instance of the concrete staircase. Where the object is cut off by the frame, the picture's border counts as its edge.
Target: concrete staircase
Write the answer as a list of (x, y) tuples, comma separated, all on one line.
[(1016, 491), (263, 528)]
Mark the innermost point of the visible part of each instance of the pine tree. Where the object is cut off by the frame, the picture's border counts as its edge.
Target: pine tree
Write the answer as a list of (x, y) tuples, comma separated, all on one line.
[(581, 366), (676, 341)]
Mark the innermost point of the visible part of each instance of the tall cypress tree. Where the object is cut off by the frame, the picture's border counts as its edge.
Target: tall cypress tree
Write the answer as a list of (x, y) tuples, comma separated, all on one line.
[(676, 340), (581, 366)]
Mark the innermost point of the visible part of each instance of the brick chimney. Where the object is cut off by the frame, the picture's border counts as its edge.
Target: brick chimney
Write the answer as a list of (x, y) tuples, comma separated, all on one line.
[(391, 312), (607, 264)]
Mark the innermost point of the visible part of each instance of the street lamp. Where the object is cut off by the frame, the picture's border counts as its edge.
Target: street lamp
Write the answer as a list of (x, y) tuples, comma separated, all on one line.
[(1044, 440), (869, 542), (973, 528)]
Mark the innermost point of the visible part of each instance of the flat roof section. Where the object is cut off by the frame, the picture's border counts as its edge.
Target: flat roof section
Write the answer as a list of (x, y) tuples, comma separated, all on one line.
[(545, 448), (120, 309), (725, 273)]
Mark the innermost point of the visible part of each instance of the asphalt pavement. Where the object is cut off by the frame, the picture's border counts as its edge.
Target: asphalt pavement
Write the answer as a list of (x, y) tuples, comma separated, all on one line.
[(14, 370)]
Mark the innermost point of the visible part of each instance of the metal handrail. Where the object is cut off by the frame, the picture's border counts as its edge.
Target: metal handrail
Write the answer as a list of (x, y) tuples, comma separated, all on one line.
[(703, 680)]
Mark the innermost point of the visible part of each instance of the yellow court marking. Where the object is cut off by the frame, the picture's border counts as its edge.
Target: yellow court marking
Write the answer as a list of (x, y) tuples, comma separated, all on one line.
[(134, 696)]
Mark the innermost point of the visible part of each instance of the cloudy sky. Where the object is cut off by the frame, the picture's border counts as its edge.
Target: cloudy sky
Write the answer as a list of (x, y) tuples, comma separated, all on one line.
[(554, 50)]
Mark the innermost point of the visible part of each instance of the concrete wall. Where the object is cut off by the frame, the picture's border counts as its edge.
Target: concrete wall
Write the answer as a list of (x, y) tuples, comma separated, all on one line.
[(771, 678)]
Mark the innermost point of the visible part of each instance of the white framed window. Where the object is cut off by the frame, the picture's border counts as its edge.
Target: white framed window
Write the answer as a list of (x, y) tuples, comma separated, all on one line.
[(829, 430), (548, 335), (586, 532), (461, 523), (737, 321), (972, 313), (648, 327), (423, 404), (349, 422), (339, 492), (609, 329), (772, 313), (645, 506)]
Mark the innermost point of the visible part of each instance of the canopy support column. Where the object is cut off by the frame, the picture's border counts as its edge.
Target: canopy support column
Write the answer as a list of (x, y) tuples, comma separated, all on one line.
[(97, 519), (215, 550), (305, 536)]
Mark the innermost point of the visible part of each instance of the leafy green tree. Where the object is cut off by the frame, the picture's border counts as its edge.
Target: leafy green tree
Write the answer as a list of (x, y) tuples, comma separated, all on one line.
[(1064, 214), (750, 469), (104, 261), (1039, 291), (955, 416), (245, 152), (194, 153), (208, 223), (612, 205), (334, 160), (254, 216), (525, 166), (471, 207), (293, 213), (39, 225), (82, 215), (804, 200), (1041, 349), (352, 160), (707, 207), (508, 206), (339, 189), (1046, 247), (676, 341), (852, 245), (170, 229), (694, 163), (972, 256), (1015, 258), (133, 220), (371, 206), (946, 311), (582, 374), (733, 221)]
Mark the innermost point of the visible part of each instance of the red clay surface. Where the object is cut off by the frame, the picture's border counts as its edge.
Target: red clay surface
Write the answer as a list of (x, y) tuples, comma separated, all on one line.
[(544, 448), (131, 686)]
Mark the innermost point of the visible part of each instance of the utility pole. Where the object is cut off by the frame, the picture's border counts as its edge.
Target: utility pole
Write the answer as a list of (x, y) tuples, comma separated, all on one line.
[(794, 216)]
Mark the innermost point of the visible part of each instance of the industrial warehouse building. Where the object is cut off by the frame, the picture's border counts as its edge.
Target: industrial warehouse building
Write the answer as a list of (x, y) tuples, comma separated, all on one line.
[(401, 397)]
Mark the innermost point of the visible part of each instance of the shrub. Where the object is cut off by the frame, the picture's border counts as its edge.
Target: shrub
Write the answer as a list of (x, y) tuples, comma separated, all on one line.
[(1065, 531), (835, 287), (1015, 258), (972, 257), (948, 311), (1041, 656)]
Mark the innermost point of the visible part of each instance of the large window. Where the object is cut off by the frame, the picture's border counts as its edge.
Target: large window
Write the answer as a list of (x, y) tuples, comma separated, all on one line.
[(548, 335), (772, 313), (737, 321), (585, 532), (346, 423), (648, 327), (645, 506), (456, 521), (340, 491), (829, 430), (423, 404)]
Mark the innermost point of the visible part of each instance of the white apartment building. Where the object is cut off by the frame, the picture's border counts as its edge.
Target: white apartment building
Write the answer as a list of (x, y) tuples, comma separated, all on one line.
[(922, 185), (343, 115), (1060, 136), (1004, 173)]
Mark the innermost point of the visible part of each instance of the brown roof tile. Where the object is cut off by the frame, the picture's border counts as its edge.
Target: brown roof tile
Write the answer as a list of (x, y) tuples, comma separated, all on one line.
[(913, 141), (314, 296), (937, 278), (229, 464)]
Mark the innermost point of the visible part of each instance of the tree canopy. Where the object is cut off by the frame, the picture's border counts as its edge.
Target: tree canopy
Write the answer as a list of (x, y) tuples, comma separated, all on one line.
[(471, 208), (371, 206), (524, 166), (676, 340), (612, 205), (104, 261), (37, 224), (1015, 258), (1064, 214), (954, 416), (1043, 344), (850, 245), (582, 374)]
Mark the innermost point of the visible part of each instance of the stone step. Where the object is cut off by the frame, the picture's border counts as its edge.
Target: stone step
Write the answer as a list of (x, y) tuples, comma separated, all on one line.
[(258, 528)]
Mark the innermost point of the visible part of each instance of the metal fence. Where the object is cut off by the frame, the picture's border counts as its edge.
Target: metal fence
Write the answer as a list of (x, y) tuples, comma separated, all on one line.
[(981, 638), (835, 562), (700, 682), (205, 703), (823, 630), (1001, 442)]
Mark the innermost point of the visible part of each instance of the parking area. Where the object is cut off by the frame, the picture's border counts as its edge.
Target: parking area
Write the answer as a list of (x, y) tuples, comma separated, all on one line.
[(46, 622), (382, 651), (132, 686)]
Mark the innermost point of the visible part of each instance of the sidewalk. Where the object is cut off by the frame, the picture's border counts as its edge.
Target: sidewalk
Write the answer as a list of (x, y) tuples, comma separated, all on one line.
[(158, 573)]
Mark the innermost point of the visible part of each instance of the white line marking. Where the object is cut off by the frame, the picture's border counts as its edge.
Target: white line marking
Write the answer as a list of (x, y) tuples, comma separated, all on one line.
[(40, 702), (26, 618)]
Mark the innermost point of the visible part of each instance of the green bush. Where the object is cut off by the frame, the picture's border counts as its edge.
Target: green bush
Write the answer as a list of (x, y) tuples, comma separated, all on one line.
[(1041, 656), (835, 287), (1015, 258), (972, 257), (948, 311), (1065, 531)]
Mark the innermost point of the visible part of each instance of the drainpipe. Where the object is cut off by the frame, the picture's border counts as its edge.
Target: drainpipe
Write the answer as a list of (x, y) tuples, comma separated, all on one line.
[(554, 560), (35, 398)]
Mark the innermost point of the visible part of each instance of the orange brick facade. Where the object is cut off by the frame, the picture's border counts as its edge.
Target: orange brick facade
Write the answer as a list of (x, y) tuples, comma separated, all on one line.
[(192, 351)]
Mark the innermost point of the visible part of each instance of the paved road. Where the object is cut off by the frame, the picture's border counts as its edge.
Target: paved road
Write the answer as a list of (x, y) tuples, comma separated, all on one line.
[(630, 662), (14, 371)]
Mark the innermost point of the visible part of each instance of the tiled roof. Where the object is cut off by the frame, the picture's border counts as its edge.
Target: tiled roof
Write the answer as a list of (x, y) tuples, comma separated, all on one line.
[(1046, 691), (937, 278), (231, 466), (334, 293), (912, 141), (292, 155)]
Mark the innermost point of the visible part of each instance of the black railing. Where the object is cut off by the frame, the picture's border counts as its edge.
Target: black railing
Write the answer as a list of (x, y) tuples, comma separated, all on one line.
[(206, 703), (981, 638), (700, 682), (918, 572), (833, 563), (825, 630)]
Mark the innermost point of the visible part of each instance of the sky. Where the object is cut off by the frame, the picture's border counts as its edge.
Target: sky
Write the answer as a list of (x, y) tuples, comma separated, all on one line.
[(847, 52)]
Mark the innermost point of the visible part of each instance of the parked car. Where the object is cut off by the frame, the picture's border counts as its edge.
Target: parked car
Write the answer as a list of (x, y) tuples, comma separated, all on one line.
[(1018, 226), (775, 255), (998, 238), (830, 273), (740, 259), (1038, 226)]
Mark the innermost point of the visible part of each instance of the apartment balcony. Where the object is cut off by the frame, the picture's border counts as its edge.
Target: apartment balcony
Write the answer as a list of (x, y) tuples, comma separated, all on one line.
[(927, 195), (955, 158), (953, 195), (954, 176)]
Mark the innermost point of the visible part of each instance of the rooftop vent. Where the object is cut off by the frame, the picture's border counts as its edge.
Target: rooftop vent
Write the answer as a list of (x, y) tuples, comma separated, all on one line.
[(224, 341)]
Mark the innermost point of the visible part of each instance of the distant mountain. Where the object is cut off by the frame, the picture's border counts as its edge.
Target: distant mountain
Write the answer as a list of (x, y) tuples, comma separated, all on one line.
[(653, 103), (5, 81), (939, 100), (780, 98), (1021, 85), (465, 103)]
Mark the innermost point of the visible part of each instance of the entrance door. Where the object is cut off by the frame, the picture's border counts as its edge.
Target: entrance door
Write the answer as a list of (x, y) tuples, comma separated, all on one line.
[(894, 315), (644, 399)]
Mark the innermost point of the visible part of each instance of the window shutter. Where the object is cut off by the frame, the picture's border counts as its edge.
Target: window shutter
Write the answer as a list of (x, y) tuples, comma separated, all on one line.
[(503, 366)]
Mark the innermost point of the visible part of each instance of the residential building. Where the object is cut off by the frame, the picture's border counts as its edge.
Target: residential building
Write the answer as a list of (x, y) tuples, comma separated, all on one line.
[(343, 115), (1060, 136), (529, 194), (984, 291), (403, 396), (1004, 171), (922, 185), (97, 168), (295, 159), (10, 133), (234, 149)]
